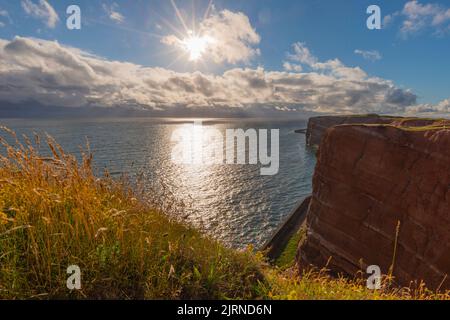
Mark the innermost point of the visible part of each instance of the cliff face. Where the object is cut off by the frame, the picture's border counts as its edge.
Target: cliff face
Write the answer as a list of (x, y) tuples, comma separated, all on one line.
[(369, 179)]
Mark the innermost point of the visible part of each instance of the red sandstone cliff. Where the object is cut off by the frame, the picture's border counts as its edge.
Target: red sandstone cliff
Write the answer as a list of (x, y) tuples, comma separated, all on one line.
[(370, 177)]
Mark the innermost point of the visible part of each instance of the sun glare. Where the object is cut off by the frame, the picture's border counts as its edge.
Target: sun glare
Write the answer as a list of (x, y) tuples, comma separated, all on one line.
[(196, 46), (192, 41)]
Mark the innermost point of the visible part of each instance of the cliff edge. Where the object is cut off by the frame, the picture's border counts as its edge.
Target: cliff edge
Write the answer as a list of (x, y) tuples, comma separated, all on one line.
[(317, 126), (369, 180)]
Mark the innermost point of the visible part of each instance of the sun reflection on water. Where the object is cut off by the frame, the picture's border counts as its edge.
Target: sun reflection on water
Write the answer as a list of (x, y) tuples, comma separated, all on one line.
[(232, 203)]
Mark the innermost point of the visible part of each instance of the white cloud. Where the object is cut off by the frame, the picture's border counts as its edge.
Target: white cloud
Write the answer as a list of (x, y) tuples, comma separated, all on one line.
[(4, 15), (371, 55), (288, 66), (41, 10), (302, 54), (51, 74), (333, 67), (113, 13), (389, 19), (417, 17), (441, 18), (442, 107), (233, 39)]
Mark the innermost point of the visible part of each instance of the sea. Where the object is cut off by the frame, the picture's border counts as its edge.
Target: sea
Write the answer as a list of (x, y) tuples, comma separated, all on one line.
[(232, 203)]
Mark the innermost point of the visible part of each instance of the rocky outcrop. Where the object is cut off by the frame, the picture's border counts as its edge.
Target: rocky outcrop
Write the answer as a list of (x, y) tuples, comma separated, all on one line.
[(369, 180), (317, 126)]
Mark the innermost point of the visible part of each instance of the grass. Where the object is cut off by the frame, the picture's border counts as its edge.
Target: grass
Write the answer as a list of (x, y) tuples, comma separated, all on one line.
[(287, 256), (404, 128), (403, 124), (55, 212), (317, 284), (366, 115)]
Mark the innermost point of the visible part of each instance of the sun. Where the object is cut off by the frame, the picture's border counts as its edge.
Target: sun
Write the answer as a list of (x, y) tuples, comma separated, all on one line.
[(196, 46), (194, 41)]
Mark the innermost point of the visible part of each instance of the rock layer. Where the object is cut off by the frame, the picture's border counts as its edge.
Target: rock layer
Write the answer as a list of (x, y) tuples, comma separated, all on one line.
[(370, 179)]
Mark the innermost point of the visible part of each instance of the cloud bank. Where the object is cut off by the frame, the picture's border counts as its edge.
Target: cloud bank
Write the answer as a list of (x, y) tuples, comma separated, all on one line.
[(51, 74)]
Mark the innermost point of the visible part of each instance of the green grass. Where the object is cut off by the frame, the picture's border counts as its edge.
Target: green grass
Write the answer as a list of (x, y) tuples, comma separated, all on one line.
[(404, 128), (55, 212), (403, 124), (287, 256), (318, 285), (373, 115)]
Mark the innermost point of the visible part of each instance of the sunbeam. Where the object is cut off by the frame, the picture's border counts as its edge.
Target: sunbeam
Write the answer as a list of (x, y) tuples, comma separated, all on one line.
[(208, 9), (180, 17)]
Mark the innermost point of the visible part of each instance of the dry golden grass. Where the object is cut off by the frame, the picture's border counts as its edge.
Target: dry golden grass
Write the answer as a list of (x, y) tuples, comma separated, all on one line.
[(318, 284), (55, 212)]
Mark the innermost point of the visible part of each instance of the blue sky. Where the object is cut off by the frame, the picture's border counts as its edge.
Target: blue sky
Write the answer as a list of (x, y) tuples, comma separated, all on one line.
[(416, 60)]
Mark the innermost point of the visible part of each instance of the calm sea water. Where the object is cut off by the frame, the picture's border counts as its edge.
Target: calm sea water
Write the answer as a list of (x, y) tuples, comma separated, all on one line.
[(232, 203)]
